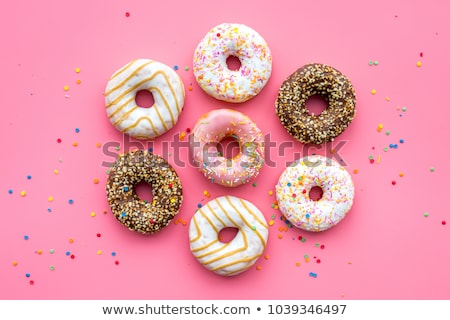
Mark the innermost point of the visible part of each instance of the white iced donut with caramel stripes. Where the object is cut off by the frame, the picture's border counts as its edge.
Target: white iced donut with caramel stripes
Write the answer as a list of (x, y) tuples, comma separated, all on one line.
[(120, 97), (236, 256)]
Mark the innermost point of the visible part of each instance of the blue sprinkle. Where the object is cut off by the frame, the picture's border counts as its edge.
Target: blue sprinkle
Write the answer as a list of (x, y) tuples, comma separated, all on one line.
[(125, 189), (175, 67), (27, 275), (288, 184), (10, 191), (70, 201), (25, 237), (77, 130), (49, 209), (113, 254), (307, 216), (391, 145), (402, 141), (199, 205), (124, 214), (150, 149), (67, 253), (395, 146), (28, 177)]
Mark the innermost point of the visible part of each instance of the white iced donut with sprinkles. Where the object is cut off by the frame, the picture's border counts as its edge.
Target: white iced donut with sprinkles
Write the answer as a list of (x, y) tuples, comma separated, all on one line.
[(242, 252), (161, 81), (210, 130), (294, 199), (210, 63)]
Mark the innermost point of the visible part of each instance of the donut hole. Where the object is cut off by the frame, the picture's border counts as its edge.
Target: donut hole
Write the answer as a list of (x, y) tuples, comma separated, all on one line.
[(316, 104), (144, 99), (228, 147), (233, 63), (315, 193), (144, 191), (227, 234)]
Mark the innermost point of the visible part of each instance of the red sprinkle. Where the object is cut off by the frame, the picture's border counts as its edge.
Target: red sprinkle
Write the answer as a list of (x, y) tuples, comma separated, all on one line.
[(58, 140), (322, 247), (99, 235), (372, 160), (444, 222), (300, 237), (116, 262), (421, 54), (127, 14), (31, 282), (394, 182), (218, 35), (318, 260), (72, 256), (188, 130)]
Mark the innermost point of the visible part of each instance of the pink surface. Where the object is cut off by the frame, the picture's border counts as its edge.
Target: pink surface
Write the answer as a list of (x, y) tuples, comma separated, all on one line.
[(386, 248)]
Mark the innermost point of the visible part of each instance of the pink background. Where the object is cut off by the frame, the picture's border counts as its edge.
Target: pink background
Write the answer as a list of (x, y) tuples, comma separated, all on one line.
[(384, 249)]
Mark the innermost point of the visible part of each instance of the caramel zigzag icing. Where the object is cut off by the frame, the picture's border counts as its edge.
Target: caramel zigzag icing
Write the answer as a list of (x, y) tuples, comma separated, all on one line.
[(131, 75), (136, 123)]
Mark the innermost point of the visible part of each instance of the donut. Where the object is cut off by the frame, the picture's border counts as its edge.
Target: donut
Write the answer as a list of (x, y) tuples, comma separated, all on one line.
[(210, 63), (242, 252), (120, 98), (136, 214), (327, 82), (293, 193), (213, 127)]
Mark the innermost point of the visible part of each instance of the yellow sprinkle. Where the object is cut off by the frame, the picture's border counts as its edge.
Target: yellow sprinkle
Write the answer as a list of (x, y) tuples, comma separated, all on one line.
[(75, 144), (77, 70), (172, 200), (182, 135), (98, 144), (50, 199), (373, 91), (95, 180), (233, 123), (23, 193), (270, 192), (99, 252), (71, 240), (66, 88), (401, 174), (55, 171), (271, 222), (388, 99), (418, 64), (306, 260), (15, 263), (379, 159), (275, 207), (93, 214), (297, 264)]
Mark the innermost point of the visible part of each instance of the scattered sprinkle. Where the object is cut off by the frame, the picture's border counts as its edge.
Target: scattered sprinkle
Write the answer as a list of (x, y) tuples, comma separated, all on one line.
[(373, 91), (444, 222), (432, 169), (426, 214), (66, 88), (77, 70), (23, 193), (26, 237), (419, 64)]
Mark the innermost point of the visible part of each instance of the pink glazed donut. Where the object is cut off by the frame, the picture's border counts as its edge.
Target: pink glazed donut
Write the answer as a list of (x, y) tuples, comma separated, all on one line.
[(212, 128)]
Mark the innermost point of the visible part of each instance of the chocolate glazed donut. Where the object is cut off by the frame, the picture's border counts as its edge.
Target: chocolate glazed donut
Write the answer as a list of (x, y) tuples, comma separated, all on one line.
[(309, 80), (137, 214)]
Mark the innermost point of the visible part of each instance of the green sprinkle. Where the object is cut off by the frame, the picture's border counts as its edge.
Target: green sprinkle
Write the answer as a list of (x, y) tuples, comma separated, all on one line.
[(370, 62), (253, 228), (52, 251), (375, 63), (254, 184), (317, 245), (306, 256), (303, 239), (404, 109), (52, 268), (432, 169), (118, 148), (370, 157), (388, 132), (186, 68), (426, 214), (385, 149), (273, 217)]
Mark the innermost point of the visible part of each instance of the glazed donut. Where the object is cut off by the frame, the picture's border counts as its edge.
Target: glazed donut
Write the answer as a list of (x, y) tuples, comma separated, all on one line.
[(297, 180), (120, 98), (309, 80), (137, 214), (236, 256), (216, 125), (210, 63)]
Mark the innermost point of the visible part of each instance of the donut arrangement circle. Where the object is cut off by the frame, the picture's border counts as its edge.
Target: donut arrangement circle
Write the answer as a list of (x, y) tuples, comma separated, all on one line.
[(213, 127), (293, 193), (309, 80), (210, 63), (236, 256), (120, 98), (136, 214)]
